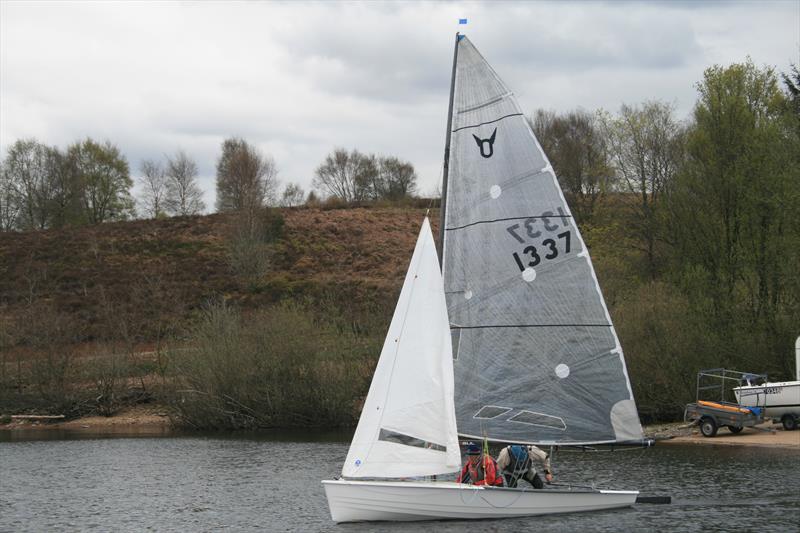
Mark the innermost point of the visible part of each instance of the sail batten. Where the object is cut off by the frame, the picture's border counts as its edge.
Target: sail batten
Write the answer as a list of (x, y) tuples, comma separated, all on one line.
[(533, 341)]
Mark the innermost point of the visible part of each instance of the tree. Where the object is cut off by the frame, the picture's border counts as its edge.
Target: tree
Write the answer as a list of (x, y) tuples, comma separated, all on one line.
[(246, 178), (26, 166), (398, 178), (734, 209), (8, 201), (183, 196), (66, 190), (104, 180), (576, 147), (792, 83), (154, 188), (293, 195), (312, 200), (647, 147), (351, 177)]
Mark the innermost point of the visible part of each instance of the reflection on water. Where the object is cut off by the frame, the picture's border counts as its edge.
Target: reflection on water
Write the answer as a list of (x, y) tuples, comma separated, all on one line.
[(272, 483)]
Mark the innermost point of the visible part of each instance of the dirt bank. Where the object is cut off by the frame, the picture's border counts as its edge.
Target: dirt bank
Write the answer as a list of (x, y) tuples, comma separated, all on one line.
[(139, 419)]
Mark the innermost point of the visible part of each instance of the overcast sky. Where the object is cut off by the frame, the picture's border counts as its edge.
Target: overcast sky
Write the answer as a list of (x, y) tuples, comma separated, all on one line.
[(299, 79)]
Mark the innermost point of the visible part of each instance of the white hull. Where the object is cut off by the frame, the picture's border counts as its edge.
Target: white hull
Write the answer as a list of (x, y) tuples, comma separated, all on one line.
[(778, 398), (354, 501)]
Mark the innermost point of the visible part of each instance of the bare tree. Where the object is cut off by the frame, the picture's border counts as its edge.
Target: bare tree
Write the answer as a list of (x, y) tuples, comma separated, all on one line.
[(398, 178), (26, 167), (154, 184), (577, 149), (293, 195), (184, 197), (246, 178), (9, 206), (347, 176)]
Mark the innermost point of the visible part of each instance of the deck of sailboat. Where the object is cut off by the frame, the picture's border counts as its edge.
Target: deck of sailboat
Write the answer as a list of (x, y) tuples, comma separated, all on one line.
[(357, 500)]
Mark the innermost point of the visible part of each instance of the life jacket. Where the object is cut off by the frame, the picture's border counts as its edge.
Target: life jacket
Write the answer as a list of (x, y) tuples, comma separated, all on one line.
[(483, 473), (519, 460)]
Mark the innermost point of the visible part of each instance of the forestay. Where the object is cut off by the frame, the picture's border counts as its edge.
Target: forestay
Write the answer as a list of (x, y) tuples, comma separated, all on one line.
[(535, 354), (407, 426)]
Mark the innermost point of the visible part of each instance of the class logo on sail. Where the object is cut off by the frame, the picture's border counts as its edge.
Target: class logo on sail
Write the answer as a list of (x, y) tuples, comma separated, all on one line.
[(487, 153)]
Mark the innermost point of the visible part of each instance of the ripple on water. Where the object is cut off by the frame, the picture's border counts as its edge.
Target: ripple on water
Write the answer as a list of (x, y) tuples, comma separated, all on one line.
[(211, 483)]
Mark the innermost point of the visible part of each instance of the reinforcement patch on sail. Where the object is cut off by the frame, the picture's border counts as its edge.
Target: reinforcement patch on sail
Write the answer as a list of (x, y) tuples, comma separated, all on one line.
[(534, 333)]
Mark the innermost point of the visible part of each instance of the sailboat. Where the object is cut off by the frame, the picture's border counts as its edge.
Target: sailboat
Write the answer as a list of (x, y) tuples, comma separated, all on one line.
[(501, 334)]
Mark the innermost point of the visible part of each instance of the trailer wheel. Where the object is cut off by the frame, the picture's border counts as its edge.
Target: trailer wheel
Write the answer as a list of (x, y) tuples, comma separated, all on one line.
[(789, 422), (735, 429), (708, 427)]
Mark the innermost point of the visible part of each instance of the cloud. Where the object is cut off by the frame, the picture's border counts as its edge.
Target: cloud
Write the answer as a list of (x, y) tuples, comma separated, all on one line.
[(298, 79)]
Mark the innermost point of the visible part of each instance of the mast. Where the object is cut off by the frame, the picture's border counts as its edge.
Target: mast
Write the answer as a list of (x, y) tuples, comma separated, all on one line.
[(446, 168)]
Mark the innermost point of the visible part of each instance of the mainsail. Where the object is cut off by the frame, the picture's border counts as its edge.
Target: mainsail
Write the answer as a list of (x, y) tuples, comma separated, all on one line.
[(536, 357), (407, 426)]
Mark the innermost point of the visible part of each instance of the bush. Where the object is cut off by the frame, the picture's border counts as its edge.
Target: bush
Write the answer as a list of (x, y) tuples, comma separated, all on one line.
[(249, 240), (275, 368)]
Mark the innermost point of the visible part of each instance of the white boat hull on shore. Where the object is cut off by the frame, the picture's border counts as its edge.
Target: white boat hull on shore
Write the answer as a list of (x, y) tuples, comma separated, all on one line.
[(778, 399), (355, 501)]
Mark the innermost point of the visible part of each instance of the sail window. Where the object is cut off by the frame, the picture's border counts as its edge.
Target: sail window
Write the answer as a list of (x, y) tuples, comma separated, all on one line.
[(539, 419), (562, 371), (495, 192), (407, 440), (491, 411), (529, 274)]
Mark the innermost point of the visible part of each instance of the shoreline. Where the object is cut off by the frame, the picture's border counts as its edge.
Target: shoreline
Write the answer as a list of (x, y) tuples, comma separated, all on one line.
[(136, 420), (153, 420), (767, 435)]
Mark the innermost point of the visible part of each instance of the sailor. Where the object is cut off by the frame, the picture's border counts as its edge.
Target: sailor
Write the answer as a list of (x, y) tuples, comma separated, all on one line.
[(515, 462), (480, 469)]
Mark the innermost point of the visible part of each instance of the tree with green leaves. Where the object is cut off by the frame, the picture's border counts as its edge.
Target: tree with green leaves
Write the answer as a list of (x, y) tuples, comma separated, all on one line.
[(102, 174), (734, 215), (647, 145)]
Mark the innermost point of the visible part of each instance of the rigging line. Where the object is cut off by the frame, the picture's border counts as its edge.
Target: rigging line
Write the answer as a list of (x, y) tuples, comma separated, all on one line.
[(533, 326), (505, 220), (490, 122)]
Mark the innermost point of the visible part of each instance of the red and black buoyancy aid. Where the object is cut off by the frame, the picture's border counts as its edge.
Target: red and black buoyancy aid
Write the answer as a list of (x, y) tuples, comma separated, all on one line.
[(482, 473)]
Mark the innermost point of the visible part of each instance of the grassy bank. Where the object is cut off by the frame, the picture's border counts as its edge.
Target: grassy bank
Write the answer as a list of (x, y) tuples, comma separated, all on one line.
[(96, 319)]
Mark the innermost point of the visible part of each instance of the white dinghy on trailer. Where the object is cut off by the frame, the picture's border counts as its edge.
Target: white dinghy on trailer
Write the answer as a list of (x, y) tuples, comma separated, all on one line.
[(509, 341), (780, 400)]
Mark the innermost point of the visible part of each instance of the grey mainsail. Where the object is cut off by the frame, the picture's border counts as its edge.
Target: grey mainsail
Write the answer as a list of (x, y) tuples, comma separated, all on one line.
[(536, 357)]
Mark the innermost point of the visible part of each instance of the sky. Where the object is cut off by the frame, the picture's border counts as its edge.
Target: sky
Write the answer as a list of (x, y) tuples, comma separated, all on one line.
[(299, 79)]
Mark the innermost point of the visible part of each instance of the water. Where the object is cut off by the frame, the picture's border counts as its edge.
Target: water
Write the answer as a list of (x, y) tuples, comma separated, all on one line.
[(272, 483)]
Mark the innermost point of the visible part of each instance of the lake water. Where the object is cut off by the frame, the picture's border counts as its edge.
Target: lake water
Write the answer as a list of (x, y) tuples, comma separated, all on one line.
[(272, 483)]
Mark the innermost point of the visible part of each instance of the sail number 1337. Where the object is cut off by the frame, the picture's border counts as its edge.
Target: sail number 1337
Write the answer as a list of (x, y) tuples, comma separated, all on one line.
[(532, 256)]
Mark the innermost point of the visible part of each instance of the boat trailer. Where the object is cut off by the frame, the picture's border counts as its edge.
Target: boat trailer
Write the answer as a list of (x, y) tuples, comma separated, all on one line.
[(711, 410)]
